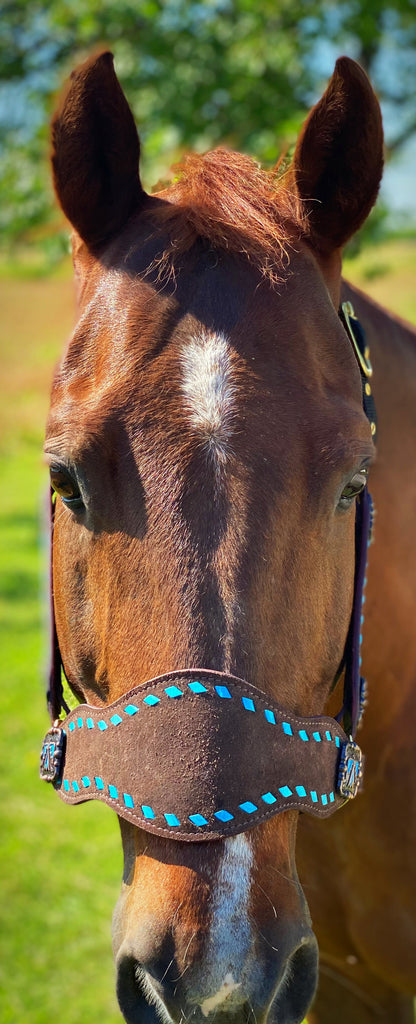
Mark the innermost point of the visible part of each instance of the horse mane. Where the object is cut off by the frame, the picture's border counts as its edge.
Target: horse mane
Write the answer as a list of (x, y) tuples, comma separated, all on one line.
[(228, 200)]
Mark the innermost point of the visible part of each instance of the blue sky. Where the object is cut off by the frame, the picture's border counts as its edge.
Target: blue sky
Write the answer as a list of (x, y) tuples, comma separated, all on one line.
[(399, 183)]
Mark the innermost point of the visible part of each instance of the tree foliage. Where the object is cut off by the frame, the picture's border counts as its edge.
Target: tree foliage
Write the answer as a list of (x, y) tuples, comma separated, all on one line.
[(241, 72)]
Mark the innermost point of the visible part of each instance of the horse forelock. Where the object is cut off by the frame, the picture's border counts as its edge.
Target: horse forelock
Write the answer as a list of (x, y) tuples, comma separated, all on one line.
[(229, 201)]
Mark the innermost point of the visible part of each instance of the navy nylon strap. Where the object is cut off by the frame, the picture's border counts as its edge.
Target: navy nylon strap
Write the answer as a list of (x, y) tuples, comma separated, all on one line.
[(354, 683), (55, 694), (357, 337), (354, 697)]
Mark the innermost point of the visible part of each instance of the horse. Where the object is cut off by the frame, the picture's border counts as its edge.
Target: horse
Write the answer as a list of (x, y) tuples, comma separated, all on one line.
[(209, 449)]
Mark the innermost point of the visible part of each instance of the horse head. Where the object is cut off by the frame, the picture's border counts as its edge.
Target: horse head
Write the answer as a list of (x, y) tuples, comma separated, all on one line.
[(207, 441)]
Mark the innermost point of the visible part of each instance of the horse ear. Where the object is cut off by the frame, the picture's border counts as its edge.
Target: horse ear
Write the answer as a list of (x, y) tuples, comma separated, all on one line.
[(338, 160), (95, 152)]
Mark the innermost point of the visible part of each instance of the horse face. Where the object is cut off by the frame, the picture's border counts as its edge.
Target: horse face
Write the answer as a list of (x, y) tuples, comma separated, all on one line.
[(205, 435)]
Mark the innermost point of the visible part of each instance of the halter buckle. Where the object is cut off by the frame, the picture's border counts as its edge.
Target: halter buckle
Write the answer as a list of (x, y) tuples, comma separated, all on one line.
[(363, 357), (350, 771), (52, 753)]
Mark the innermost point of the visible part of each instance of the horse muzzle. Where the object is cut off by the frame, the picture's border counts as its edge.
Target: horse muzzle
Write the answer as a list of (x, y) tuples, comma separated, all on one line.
[(278, 989)]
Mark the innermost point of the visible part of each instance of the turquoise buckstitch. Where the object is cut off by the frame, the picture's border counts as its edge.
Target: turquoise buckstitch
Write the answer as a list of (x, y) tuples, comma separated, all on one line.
[(198, 819), (285, 791), (269, 798), (172, 820), (248, 704), (223, 691), (197, 687), (223, 815), (248, 807)]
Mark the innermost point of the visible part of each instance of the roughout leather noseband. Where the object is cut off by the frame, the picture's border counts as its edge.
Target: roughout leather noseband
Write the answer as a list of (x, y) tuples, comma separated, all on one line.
[(197, 754)]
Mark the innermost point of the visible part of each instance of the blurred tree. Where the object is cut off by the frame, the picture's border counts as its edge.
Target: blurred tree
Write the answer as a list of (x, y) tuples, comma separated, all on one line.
[(196, 73)]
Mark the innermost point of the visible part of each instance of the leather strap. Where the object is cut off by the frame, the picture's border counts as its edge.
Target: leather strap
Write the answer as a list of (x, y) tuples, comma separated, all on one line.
[(201, 755), (354, 698), (55, 692)]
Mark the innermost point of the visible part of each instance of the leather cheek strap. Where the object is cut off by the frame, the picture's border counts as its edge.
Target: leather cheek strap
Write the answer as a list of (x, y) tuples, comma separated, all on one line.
[(197, 755)]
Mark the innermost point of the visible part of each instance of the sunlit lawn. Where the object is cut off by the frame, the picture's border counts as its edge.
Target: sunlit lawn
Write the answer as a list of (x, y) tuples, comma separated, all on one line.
[(60, 872), (61, 866), (387, 272)]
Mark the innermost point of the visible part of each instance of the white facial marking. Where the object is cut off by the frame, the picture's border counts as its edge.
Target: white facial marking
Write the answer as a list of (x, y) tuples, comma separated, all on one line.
[(230, 939), (208, 388), (228, 985)]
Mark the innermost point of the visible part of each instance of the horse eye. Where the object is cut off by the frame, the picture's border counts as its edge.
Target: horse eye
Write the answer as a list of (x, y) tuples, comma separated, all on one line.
[(67, 488), (353, 488)]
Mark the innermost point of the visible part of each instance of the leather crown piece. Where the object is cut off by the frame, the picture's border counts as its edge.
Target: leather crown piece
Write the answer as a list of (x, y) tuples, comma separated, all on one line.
[(197, 755)]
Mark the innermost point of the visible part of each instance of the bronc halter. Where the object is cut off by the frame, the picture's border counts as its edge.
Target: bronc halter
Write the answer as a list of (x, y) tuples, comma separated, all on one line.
[(197, 754)]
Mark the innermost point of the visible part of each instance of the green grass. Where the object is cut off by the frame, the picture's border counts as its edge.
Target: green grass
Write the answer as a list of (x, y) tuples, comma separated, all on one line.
[(60, 866), (60, 871), (387, 272)]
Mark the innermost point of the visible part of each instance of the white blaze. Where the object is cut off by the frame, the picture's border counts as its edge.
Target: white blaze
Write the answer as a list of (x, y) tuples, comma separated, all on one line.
[(207, 385), (230, 939)]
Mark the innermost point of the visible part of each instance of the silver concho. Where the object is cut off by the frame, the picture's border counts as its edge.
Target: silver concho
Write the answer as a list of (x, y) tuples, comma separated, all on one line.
[(350, 770), (51, 756)]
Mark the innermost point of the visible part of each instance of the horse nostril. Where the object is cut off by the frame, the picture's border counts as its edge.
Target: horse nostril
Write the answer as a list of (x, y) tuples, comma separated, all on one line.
[(297, 988), (139, 1000)]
